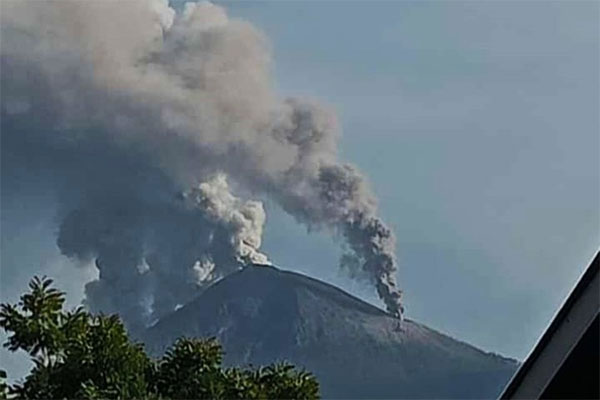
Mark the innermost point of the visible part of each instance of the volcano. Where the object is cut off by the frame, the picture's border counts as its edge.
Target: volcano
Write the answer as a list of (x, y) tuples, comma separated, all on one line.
[(262, 314)]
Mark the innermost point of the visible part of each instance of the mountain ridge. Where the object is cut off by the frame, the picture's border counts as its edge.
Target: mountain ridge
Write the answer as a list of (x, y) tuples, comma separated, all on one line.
[(264, 314)]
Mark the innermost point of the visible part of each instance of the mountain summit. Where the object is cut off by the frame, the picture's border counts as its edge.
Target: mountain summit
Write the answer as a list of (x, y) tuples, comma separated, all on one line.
[(262, 314)]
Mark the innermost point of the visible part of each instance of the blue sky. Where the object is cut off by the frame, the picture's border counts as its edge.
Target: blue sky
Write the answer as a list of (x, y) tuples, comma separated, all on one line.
[(477, 123)]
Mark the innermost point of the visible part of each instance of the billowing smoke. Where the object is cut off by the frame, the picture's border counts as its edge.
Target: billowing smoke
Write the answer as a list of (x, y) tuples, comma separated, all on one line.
[(153, 255), (144, 117)]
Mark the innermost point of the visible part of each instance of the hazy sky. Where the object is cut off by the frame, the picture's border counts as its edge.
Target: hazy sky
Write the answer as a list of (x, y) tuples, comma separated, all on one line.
[(477, 123)]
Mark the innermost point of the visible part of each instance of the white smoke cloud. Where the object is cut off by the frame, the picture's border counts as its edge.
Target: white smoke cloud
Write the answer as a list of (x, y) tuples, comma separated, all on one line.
[(244, 220), (128, 103)]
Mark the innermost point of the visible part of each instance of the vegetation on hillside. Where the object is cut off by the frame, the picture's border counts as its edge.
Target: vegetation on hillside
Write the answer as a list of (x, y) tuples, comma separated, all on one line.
[(77, 355)]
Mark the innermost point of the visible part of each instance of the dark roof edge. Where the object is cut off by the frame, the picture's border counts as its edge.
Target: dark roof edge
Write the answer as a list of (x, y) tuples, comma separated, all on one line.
[(580, 287)]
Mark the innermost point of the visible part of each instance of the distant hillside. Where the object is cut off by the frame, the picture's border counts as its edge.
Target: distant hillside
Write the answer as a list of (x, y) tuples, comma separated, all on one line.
[(262, 314)]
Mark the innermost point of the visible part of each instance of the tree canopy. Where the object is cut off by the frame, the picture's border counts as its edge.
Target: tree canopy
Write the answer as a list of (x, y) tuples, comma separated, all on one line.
[(80, 355)]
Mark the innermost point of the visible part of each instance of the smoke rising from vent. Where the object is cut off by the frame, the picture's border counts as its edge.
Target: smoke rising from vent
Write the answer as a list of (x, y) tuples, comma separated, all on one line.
[(144, 117), (152, 255)]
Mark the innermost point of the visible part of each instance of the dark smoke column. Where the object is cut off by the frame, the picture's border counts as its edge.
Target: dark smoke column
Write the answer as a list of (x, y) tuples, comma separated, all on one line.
[(336, 197), (373, 244)]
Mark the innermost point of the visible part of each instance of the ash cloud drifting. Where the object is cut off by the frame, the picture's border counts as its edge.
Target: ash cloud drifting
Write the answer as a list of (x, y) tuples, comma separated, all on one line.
[(145, 116)]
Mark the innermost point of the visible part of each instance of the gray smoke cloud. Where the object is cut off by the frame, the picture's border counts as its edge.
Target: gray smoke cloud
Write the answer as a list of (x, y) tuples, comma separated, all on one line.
[(153, 255), (144, 117)]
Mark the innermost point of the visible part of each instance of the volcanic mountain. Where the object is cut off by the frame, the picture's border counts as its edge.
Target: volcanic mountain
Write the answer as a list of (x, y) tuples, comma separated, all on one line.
[(262, 314)]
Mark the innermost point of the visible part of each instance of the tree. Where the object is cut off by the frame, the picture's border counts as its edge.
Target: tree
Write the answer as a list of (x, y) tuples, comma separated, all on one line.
[(75, 354), (198, 364), (79, 355), (3, 385)]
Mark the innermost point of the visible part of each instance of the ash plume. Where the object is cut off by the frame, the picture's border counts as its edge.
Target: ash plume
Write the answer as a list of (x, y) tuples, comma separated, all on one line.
[(153, 255), (144, 116)]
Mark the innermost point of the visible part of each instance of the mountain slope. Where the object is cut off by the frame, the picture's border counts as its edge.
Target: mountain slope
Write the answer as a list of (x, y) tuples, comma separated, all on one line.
[(262, 314)]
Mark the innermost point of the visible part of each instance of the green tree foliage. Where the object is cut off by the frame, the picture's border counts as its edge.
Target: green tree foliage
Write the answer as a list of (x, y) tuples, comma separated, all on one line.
[(3, 385), (197, 362), (77, 355)]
